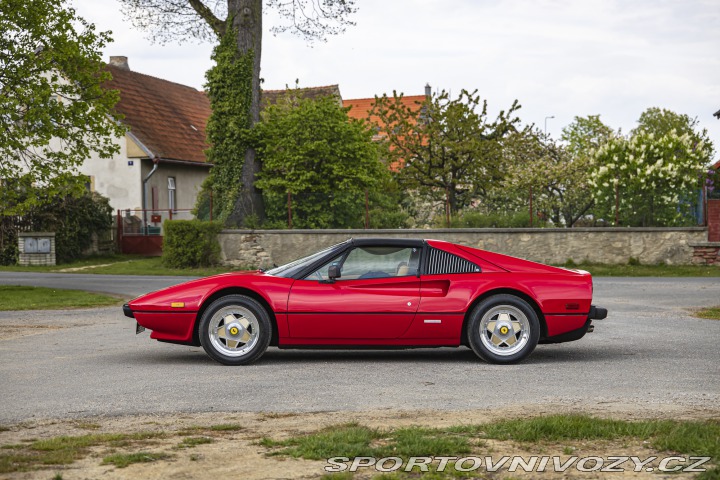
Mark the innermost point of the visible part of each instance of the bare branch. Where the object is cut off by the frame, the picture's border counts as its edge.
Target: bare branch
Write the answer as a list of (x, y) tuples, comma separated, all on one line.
[(314, 19), (177, 20)]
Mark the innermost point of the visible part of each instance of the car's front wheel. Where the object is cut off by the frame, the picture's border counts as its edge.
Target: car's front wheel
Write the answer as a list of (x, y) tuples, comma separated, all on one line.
[(235, 330), (503, 329)]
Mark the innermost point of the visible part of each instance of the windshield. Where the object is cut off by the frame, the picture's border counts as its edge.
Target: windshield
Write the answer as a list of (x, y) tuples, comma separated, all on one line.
[(290, 269)]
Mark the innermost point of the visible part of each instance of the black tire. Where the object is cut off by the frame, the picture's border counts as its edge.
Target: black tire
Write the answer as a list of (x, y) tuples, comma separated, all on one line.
[(510, 317), (235, 330)]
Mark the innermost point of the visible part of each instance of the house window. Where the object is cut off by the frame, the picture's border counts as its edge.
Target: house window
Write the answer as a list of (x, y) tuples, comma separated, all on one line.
[(90, 183), (172, 205)]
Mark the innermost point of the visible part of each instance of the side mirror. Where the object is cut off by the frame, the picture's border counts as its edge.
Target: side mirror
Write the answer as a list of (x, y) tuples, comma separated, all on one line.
[(334, 272)]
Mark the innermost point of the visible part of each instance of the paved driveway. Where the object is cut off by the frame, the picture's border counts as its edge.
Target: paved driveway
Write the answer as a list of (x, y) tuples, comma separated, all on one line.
[(650, 353)]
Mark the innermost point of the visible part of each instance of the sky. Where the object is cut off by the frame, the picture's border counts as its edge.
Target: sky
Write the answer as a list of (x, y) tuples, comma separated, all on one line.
[(558, 58)]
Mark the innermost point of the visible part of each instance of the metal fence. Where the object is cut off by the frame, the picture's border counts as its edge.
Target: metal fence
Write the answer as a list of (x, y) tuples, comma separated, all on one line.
[(147, 222)]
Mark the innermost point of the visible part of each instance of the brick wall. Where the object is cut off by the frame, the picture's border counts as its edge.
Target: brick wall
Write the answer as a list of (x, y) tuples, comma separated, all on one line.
[(713, 208)]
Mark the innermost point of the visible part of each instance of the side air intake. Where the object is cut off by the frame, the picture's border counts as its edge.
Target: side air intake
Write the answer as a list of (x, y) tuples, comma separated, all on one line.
[(442, 262)]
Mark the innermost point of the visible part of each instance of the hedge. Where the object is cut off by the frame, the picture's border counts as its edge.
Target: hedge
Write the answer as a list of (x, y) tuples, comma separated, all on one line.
[(190, 243)]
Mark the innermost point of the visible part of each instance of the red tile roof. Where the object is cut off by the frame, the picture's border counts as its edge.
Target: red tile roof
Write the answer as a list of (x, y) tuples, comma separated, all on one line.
[(360, 107), (168, 118)]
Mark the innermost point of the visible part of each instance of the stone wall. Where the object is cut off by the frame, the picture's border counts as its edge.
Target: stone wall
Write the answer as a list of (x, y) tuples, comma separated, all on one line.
[(262, 248)]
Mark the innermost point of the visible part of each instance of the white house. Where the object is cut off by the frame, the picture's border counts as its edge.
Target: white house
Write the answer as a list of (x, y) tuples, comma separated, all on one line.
[(163, 151)]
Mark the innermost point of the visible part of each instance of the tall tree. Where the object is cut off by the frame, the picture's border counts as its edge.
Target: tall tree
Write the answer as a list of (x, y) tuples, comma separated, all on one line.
[(324, 160), (660, 122), (585, 135), (450, 151), (166, 20), (557, 178), (53, 109)]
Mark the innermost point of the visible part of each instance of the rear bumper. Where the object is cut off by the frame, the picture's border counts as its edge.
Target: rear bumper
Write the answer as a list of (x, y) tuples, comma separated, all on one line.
[(597, 313)]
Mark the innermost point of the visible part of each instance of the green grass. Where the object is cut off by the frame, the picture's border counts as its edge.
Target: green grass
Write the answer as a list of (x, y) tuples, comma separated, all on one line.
[(192, 442), (38, 298), (120, 265), (226, 427), (122, 460), (139, 265), (34, 454), (64, 450), (712, 313), (598, 270), (353, 440)]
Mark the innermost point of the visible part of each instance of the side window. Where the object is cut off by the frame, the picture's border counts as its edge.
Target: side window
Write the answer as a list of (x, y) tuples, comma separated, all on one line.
[(440, 262), (373, 262)]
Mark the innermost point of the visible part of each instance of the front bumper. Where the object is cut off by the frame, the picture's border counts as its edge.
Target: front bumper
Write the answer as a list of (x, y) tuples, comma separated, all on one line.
[(128, 313)]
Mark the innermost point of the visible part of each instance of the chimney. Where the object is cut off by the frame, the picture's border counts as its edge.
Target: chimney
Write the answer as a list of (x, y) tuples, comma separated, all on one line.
[(120, 62), (428, 90)]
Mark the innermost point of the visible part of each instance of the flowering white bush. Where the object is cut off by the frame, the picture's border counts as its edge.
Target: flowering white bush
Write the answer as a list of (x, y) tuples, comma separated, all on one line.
[(656, 178)]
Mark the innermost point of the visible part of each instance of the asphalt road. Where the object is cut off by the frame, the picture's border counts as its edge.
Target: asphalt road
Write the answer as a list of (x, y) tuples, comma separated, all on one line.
[(650, 352), (129, 286)]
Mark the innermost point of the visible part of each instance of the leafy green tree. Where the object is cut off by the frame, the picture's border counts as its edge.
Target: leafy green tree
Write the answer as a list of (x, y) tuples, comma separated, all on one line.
[(53, 110), (660, 122), (585, 135), (450, 151), (241, 22), (326, 161)]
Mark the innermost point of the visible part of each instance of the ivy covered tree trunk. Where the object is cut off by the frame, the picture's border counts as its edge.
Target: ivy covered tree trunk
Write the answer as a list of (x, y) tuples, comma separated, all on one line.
[(233, 86), (247, 23)]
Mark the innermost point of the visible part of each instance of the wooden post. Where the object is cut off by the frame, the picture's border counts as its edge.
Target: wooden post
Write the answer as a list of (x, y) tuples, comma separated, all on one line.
[(119, 231), (211, 205), (531, 207), (367, 210), (617, 202), (447, 207), (289, 206)]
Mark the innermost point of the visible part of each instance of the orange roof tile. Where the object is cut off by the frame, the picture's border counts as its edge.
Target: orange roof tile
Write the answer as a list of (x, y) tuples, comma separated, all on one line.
[(360, 107), (168, 118)]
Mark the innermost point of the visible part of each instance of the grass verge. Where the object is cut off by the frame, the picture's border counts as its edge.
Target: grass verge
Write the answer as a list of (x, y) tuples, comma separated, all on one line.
[(598, 270), (14, 297), (535, 434), (119, 265), (64, 450), (712, 313), (139, 265)]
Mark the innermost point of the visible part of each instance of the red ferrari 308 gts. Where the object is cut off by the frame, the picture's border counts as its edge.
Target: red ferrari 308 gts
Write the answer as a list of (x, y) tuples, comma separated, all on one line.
[(377, 293)]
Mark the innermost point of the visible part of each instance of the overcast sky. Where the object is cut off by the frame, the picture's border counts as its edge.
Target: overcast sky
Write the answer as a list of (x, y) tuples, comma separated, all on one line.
[(559, 58)]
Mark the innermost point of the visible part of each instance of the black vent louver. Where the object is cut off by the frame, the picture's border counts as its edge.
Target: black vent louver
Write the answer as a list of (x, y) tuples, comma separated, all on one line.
[(442, 262)]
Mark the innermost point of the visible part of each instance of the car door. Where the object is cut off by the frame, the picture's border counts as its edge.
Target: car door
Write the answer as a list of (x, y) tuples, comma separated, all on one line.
[(375, 298)]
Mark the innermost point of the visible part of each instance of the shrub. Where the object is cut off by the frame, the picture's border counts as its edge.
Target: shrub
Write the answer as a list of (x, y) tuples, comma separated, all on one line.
[(74, 219), (190, 243)]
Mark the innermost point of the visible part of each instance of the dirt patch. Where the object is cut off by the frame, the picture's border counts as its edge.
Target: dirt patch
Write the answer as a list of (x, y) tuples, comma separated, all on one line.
[(11, 331), (234, 452)]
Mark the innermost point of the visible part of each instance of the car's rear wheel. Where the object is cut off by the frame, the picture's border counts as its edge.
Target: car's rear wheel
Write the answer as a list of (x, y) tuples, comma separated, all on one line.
[(235, 330), (503, 329)]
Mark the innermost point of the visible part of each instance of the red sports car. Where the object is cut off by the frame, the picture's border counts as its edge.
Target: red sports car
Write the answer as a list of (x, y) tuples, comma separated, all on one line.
[(377, 293)]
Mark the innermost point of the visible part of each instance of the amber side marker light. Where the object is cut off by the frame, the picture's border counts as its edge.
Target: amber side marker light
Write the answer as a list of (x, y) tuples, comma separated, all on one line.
[(177, 304)]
